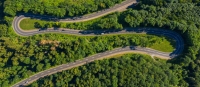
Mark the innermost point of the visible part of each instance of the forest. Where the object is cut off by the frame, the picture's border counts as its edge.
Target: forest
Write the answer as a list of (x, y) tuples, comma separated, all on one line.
[(21, 57), (129, 70)]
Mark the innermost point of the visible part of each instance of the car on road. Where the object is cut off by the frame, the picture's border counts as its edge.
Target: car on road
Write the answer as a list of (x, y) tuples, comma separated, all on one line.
[(132, 47)]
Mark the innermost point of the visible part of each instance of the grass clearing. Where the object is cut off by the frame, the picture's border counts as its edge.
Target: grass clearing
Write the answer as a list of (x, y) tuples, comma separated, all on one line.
[(29, 24), (166, 45)]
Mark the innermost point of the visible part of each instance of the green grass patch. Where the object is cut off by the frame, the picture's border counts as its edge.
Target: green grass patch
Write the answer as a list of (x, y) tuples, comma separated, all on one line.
[(29, 24), (166, 45)]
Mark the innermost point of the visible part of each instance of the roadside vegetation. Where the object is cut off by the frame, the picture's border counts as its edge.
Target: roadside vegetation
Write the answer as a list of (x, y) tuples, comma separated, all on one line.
[(21, 57)]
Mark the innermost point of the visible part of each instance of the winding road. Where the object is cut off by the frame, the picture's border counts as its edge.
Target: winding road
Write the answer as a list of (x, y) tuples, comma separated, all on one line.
[(168, 33)]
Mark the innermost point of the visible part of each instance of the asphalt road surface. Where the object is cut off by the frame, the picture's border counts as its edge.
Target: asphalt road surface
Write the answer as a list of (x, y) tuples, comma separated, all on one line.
[(168, 33)]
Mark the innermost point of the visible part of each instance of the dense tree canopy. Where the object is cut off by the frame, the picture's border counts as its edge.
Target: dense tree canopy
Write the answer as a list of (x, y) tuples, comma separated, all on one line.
[(163, 2)]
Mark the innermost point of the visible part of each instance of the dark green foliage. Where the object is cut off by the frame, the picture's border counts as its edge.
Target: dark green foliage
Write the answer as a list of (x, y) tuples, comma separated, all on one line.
[(3, 30), (109, 23), (173, 16)]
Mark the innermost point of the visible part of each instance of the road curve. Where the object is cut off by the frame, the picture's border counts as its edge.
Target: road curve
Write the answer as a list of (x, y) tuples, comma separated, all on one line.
[(125, 4)]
